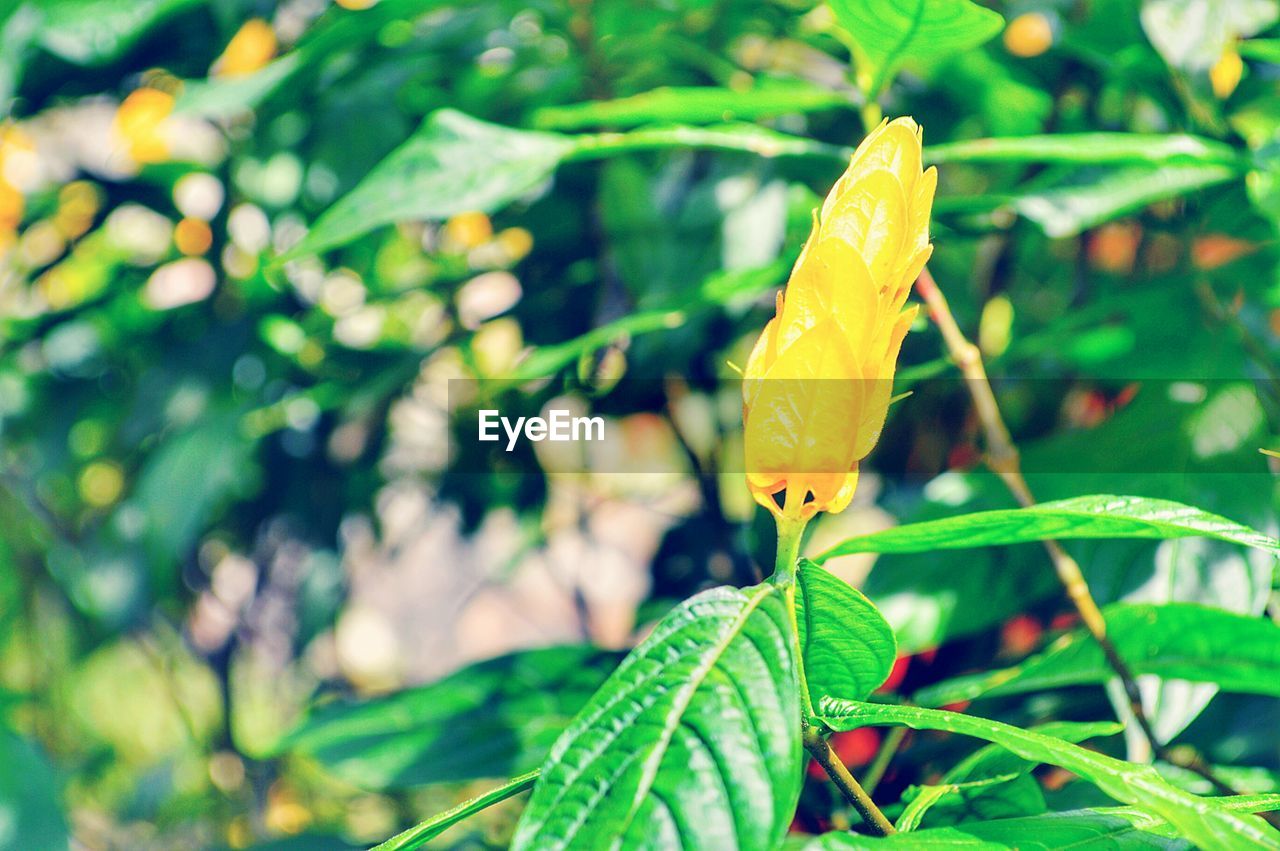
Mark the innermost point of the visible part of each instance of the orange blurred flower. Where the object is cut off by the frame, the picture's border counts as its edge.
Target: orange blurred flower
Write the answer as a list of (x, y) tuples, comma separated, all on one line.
[(1028, 35), (817, 385)]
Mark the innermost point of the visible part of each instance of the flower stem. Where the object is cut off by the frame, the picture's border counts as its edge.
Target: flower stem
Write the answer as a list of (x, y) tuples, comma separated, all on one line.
[(790, 533), (821, 750)]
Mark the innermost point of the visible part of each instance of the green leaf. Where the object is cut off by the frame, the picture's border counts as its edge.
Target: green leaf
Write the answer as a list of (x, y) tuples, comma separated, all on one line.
[(455, 163), (1098, 516), (30, 816), (888, 34), (994, 783), (692, 105), (94, 32), (1087, 197), (336, 33), (717, 290), (1203, 821), (1245, 778), (227, 97), (1183, 641), (1091, 149), (694, 741), (847, 646), (1192, 34), (452, 164), (932, 597), (1101, 829), (188, 480), (1261, 50), (497, 717), (422, 833)]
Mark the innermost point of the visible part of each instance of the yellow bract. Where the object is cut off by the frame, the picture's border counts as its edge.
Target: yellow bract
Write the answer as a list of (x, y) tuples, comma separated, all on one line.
[(817, 385)]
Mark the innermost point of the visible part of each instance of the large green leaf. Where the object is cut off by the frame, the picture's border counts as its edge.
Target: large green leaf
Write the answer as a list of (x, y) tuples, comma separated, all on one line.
[(1183, 641), (1088, 196), (494, 718), (932, 597), (692, 105), (888, 34), (1102, 829), (92, 32), (82, 32), (1261, 49), (992, 782), (1201, 820), (423, 832), (30, 816), (1091, 149), (455, 163), (1097, 516), (333, 35), (847, 646), (694, 742), (452, 164), (1192, 34)]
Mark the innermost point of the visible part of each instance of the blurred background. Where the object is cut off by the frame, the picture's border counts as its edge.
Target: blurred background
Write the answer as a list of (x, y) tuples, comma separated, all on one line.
[(244, 570)]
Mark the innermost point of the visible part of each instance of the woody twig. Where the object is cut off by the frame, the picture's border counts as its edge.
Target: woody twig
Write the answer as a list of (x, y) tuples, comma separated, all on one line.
[(1002, 457)]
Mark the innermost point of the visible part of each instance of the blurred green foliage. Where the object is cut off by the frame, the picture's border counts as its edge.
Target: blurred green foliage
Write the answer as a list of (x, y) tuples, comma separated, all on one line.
[(245, 245)]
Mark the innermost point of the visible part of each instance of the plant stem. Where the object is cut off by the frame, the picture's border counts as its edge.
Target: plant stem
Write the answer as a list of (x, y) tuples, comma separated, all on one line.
[(871, 115), (790, 532), (1002, 458), (821, 750)]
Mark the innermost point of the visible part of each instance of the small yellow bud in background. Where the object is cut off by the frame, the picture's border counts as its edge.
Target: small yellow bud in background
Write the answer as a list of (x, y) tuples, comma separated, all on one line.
[(17, 154), (465, 231), (1028, 35), (817, 385), (356, 5), (253, 46), (995, 327), (1225, 75), (78, 203), (101, 483), (12, 206), (141, 123), (516, 243)]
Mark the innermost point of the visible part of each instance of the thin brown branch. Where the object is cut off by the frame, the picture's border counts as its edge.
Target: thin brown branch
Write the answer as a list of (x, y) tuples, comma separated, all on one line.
[(821, 751), (1002, 458)]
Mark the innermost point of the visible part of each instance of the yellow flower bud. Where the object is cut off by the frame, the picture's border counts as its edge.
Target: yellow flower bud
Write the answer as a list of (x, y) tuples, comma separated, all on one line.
[(142, 123), (253, 46), (817, 385), (1225, 74)]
